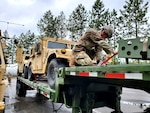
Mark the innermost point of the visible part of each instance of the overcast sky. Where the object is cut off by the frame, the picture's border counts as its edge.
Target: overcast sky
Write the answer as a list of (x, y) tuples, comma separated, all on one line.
[(23, 15)]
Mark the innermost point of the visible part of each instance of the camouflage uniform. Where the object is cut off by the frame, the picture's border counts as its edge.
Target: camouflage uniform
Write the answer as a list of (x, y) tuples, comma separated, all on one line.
[(90, 46)]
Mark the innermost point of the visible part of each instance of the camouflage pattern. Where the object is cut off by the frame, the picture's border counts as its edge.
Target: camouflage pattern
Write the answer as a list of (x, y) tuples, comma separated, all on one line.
[(90, 45)]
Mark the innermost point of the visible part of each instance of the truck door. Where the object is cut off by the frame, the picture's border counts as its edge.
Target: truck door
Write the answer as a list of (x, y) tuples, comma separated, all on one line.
[(38, 56)]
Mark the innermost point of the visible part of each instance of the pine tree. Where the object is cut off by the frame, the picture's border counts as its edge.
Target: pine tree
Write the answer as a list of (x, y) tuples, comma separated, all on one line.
[(133, 18), (9, 49), (77, 22), (5, 33), (47, 25), (97, 15), (27, 40), (61, 25)]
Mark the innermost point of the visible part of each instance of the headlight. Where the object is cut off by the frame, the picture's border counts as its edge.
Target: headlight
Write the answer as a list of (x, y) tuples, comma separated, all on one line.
[(63, 51)]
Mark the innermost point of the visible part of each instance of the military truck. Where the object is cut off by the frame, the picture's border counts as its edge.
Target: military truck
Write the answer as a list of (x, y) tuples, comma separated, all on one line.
[(3, 80), (45, 55)]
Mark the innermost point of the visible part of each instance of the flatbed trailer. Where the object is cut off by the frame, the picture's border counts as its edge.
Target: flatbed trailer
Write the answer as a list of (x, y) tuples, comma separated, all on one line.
[(84, 88)]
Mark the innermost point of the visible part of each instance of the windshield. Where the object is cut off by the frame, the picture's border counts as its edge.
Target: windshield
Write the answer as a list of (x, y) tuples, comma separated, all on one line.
[(56, 45)]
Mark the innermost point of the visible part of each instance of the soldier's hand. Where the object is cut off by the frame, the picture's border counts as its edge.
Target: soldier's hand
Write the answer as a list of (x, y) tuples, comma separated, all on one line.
[(115, 52)]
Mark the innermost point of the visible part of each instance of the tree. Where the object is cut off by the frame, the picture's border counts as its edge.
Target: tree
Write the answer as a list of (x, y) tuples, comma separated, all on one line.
[(5, 33), (97, 15), (27, 40), (47, 25), (61, 25), (9, 49), (133, 18), (10, 46), (77, 22)]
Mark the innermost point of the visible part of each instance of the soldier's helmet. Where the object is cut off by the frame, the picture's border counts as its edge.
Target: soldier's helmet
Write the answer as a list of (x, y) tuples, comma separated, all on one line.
[(108, 30)]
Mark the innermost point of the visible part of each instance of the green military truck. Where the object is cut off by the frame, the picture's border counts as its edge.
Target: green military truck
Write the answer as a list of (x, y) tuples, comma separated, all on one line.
[(84, 88)]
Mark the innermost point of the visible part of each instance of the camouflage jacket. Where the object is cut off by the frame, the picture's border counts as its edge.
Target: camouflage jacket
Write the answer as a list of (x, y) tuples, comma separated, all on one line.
[(90, 40)]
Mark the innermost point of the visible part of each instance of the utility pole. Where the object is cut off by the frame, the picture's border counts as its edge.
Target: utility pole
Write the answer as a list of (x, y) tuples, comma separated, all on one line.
[(12, 46)]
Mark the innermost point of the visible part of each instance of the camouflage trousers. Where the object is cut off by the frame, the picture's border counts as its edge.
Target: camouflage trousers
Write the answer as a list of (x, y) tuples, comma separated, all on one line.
[(85, 58)]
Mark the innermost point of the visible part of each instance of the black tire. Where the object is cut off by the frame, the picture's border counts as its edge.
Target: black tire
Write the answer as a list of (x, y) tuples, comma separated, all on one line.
[(51, 74), (30, 74), (18, 73), (25, 72), (21, 89)]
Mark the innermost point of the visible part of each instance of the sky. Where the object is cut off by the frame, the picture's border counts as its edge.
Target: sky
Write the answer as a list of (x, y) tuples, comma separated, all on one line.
[(19, 16)]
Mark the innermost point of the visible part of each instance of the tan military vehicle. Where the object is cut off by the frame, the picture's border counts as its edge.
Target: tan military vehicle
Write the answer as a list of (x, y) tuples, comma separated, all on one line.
[(23, 60), (3, 80), (45, 55)]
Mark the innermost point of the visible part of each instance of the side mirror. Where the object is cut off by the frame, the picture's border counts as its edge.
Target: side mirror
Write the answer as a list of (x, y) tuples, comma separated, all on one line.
[(16, 41)]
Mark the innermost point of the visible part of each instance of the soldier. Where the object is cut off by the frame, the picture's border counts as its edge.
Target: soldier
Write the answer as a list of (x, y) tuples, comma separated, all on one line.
[(91, 44)]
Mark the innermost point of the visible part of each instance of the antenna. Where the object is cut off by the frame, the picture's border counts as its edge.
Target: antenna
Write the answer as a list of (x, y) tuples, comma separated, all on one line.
[(11, 23)]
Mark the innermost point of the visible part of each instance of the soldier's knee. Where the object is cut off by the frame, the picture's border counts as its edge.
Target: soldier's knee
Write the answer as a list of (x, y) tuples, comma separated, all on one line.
[(81, 58), (84, 61)]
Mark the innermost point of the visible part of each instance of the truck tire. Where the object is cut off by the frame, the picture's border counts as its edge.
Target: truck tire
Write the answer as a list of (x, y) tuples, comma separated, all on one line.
[(30, 74), (21, 89), (51, 74), (25, 72)]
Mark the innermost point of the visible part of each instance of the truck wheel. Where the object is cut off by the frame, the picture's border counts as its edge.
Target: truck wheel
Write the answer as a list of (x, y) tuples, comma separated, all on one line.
[(30, 74), (55, 63), (21, 89), (25, 72)]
